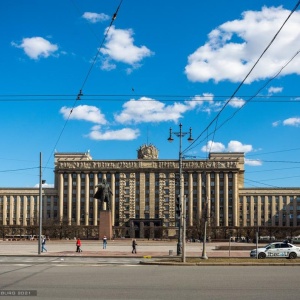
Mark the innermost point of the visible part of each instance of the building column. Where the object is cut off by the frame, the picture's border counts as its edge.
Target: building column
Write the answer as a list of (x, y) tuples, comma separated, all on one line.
[(235, 200), (287, 215), (69, 206), (152, 195), (78, 198), (113, 198), (217, 198), (18, 211), (142, 195), (11, 210), (259, 211), (273, 210), (4, 220), (280, 206), (266, 204), (24, 223), (199, 195), (208, 193), (61, 197), (95, 211), (31, 210), (244, 211), (45, 206), (295, 212), (36, 209), (226, 199), (251, 212), (190, 200), (87, 199)]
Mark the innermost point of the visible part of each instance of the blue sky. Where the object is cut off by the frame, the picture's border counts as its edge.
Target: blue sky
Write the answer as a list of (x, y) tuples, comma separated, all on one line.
[(156, 65)]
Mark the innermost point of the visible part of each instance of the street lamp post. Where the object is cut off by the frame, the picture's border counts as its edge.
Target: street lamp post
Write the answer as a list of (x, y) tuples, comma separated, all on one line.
[(40, 206), (182, 204), (205, 215), (204, 256)]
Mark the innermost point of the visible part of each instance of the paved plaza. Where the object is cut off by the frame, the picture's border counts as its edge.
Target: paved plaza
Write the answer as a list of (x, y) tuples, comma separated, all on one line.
[(120, 248)]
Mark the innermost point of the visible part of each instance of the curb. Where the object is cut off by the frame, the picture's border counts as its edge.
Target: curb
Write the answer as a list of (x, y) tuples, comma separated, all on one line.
[(220, 264)]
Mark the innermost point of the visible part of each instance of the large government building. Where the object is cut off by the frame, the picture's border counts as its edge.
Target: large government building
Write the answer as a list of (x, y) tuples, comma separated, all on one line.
[(144, 195)]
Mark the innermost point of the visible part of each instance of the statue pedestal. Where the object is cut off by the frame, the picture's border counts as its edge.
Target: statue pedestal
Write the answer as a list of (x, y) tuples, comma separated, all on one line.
[(105, 227)]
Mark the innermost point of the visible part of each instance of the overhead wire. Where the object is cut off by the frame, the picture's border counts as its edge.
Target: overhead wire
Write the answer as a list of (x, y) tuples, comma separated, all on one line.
[(215, 119), (236, 111), (150, 96), (272, 152), (165, 99), (250, 99), (80, 93)]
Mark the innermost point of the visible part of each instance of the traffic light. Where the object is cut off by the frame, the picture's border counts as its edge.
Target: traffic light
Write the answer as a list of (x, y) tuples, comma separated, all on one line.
[(178, 207)]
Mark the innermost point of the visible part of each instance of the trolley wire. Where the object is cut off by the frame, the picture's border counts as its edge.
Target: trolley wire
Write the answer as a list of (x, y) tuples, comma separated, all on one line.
[(80, 93), (215, 119)]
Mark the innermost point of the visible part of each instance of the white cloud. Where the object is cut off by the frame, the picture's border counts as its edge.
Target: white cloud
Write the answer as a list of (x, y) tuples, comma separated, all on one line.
[(233, 146), (236, 102), (107, 65), (233, 48), (236, 146), (292, 122), (94, 17), (275, 90), (205, 103), (150, 110), (84, 112), (120, 47), (253, 162), (45, 185), (276, 123), (36, 47), (213, 147), (125, 134)]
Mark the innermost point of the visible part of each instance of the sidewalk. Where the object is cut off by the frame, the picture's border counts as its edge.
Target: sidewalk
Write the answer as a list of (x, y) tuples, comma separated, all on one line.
[(117, 248)]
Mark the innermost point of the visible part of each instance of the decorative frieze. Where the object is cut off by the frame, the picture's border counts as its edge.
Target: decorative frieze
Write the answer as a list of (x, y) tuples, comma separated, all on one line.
[(121, 165)]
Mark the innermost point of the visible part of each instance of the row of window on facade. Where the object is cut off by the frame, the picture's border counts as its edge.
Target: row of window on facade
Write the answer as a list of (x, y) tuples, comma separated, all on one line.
[(53, 203)]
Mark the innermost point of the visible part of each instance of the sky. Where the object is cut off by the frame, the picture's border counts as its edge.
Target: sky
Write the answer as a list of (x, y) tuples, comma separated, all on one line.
[(109, 76)]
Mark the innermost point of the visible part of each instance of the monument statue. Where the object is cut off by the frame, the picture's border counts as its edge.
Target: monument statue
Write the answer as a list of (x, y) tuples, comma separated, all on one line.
[(103, 193)]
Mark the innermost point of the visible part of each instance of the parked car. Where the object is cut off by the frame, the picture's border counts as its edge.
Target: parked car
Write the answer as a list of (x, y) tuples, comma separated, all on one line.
[(277, 249)]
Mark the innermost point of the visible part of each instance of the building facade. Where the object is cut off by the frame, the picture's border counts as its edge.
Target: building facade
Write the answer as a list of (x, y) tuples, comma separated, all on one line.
[(144, 194)]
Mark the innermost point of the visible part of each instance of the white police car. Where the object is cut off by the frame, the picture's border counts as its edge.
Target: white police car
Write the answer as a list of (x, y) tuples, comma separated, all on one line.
[(277, 249)]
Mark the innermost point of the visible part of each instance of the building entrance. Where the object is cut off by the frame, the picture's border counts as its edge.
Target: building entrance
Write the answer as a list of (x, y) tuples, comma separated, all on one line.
[(146, 228)]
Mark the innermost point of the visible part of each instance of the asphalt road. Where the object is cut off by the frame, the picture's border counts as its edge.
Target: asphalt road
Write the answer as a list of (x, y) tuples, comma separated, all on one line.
[(105, 281)]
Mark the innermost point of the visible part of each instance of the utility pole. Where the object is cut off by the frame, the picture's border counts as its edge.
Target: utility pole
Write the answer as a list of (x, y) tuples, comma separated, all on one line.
[(182, 218)]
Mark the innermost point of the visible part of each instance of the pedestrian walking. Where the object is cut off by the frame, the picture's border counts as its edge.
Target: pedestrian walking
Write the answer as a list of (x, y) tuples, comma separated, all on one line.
[(78, 245), (134, 244), (44, 245), (104, 242)]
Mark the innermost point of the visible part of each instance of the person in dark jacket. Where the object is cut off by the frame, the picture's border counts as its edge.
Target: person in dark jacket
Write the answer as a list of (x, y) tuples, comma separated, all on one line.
[(104, 242), (134, 244), (44, 244)]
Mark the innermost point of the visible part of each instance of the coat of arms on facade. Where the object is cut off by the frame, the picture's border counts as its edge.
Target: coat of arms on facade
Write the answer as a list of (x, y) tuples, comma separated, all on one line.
[(147, 152)]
